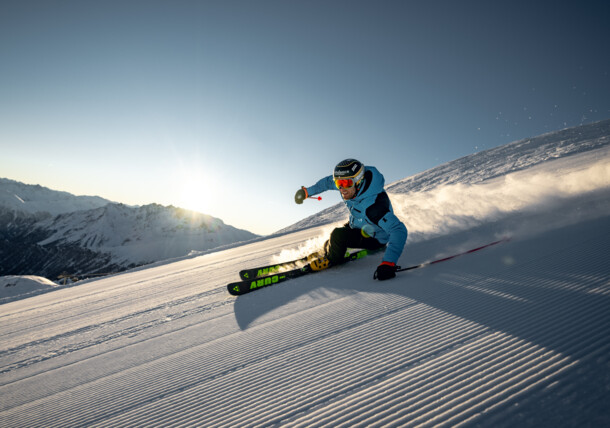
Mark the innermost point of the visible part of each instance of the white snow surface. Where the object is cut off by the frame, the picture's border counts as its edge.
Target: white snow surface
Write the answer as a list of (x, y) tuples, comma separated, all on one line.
[(517, 334), (21, 285)]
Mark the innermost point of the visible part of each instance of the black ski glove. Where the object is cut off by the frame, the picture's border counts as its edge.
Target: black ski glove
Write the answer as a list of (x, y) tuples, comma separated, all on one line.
[(300, 196), (386, 270)]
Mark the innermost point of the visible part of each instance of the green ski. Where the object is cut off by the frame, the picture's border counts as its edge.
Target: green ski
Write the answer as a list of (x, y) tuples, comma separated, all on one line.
[(246, 286), (261, 271)]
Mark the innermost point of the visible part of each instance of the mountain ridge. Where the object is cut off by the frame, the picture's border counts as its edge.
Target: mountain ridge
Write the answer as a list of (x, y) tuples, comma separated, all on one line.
[(47, 233), (33, 198)]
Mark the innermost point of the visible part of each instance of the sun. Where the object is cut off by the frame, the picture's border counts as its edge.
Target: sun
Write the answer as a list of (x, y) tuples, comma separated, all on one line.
[(196, 192)]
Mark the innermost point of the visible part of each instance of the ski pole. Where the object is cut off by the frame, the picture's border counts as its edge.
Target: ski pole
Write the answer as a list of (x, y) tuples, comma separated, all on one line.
[(401, 269)]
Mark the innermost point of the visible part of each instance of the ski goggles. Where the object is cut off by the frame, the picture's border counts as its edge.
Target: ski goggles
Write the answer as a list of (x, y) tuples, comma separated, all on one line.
[(344, 183)]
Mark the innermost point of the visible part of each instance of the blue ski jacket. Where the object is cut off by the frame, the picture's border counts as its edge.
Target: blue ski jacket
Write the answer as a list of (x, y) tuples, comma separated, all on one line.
[(371, 209)]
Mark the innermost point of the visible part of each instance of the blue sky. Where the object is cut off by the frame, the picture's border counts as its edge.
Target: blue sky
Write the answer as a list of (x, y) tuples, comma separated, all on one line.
[(228, 107)]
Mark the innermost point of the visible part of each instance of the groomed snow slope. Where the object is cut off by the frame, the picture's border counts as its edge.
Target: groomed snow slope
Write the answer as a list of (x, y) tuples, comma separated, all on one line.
[(517, 334)]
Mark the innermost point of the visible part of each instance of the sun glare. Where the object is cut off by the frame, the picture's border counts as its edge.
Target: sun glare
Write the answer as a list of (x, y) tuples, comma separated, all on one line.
[(196, 192)]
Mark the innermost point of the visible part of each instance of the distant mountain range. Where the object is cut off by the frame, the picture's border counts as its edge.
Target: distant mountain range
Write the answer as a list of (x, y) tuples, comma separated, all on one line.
[(46, 233)]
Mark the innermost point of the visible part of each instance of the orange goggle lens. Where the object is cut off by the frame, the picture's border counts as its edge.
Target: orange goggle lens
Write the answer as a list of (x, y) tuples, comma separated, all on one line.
[(344, 182)]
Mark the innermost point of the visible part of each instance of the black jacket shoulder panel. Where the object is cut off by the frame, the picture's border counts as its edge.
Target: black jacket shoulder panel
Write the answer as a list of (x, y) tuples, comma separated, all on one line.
[(380, 208)]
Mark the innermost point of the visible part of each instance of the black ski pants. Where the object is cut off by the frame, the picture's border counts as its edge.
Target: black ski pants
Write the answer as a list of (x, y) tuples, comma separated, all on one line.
[(345, 237)]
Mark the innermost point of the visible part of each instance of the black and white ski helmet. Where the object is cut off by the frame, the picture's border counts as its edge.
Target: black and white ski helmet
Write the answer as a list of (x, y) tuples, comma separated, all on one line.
[(349, 168)]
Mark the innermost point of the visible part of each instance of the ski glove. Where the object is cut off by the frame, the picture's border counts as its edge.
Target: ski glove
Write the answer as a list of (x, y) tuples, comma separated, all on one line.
[(386, 270), (300, 196)]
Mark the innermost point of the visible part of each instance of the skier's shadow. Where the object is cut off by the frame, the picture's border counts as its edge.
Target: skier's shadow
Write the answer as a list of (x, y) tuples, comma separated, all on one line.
[(253, 306)]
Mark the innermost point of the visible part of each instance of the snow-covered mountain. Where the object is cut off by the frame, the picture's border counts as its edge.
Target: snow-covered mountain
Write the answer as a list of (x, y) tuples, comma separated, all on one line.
[(35, 199), (517, 334), (45, 232), (137, 235)]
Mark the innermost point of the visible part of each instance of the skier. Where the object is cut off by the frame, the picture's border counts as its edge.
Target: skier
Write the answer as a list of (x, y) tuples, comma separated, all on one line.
[(372, 223)]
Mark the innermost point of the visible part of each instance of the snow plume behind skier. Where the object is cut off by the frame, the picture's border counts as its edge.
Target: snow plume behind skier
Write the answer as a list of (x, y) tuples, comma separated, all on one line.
[(310, 246), (372, 223)]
